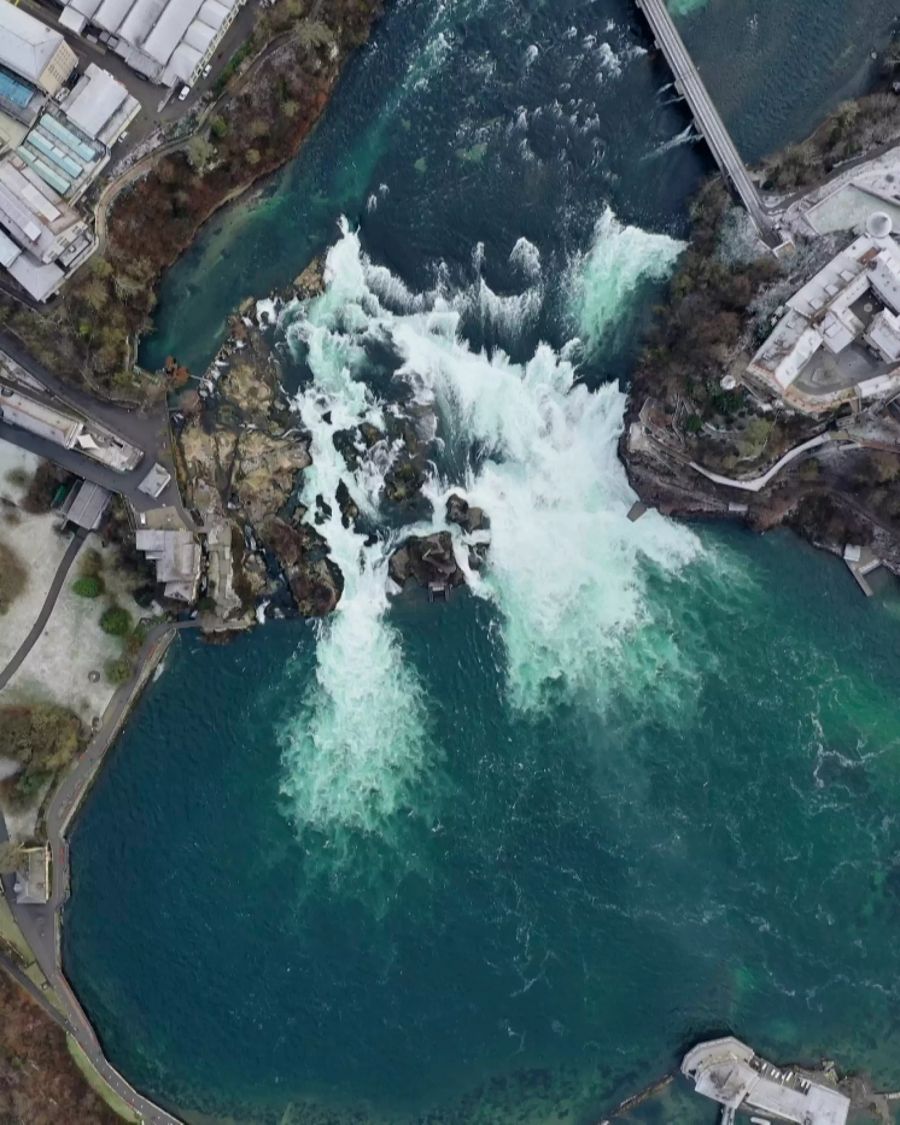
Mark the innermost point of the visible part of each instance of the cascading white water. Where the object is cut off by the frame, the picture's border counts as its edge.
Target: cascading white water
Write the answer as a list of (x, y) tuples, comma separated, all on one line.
[(567, 569)]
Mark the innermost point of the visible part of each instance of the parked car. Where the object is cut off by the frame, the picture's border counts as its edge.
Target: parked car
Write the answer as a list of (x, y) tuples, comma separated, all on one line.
[(206, 70), (185, 90)]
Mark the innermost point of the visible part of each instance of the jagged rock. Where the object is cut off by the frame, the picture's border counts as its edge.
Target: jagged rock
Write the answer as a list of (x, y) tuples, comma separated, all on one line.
[(314, 579), (427, 559), (347, 505), (347, 442), (460, 512), (311, 282), (265, 473), (250, 384), (403, 481)]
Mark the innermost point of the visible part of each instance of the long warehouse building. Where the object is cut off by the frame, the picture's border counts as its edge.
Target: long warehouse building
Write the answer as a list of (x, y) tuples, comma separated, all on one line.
[(167, 41)]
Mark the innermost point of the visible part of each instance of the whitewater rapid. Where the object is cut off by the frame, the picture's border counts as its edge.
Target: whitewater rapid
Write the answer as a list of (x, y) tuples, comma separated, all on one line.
[(567, 570)]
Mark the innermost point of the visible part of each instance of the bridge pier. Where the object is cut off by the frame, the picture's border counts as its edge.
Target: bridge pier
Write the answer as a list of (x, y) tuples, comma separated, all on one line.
[(708, 122)]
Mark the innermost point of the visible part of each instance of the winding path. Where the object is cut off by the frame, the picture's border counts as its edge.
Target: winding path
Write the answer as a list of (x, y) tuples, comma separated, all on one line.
[(46, 609)]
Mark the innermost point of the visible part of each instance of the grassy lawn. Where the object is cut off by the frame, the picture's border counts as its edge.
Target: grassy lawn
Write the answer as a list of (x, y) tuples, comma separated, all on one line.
[(96, 1083)]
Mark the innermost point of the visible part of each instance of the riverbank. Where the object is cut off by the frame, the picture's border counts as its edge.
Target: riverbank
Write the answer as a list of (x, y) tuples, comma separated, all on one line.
[(703, 440), (90, 332)]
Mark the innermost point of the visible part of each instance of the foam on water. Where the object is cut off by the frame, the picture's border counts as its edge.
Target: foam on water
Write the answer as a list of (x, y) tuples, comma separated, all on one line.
[(353, 753), (567, 569), (604, 282)]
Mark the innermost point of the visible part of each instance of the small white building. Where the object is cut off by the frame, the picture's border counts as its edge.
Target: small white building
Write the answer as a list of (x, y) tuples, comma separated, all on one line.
[(167, 41)]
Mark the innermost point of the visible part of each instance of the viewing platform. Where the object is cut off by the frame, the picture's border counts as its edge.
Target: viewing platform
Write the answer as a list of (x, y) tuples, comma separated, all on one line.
[(706, 117), (730, 1072)]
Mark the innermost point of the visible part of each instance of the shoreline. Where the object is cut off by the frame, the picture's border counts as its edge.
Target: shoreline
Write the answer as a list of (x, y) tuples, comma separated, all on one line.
[(704, 437)]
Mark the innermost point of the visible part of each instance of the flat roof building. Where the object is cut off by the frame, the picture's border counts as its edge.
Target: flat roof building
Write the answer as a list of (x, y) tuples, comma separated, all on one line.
[(39, 418), (168, 41), (33, 50), (100, 106), (730, 1072), (87, 504)]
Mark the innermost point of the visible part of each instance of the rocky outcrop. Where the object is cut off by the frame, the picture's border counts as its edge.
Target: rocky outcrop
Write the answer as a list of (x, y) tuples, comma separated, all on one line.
[(470, 519), (314, 579), (429, 560)]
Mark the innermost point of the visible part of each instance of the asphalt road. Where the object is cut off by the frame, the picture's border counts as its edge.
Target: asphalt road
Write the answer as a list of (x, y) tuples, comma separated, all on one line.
[(46, 609), (146, 429)]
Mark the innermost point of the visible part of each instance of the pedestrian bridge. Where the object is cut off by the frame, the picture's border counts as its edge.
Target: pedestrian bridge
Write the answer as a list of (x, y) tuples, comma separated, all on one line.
[(706, 117)]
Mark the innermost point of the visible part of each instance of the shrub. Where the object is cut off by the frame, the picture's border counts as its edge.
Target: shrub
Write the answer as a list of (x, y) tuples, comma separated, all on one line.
[(17, 477), (91, 563), (118, 671), (13, 578), (693, 424), (116, 621), (88, 587), (218, 126), (46, 480)]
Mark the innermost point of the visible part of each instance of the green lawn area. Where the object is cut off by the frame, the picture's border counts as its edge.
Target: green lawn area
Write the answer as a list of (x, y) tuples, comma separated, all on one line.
[(96, 1083)]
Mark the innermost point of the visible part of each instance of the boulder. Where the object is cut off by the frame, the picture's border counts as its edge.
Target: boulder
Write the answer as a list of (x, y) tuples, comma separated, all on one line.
[(461, 513), (314, 579), (428, 560)]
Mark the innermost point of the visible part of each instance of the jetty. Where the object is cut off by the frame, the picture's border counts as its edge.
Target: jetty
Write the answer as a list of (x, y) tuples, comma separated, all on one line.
[(732, 1074), (707, 119)]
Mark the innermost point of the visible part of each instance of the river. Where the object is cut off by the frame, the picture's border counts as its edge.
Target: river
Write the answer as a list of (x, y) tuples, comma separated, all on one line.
[(502, 860)]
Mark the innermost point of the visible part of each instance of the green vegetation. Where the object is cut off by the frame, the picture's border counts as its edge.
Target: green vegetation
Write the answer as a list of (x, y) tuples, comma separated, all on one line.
[(116, 621), (88, 587), (17, 477), (98, 1085), (118, 671), (13, 577), (853, 129), (90, 563), (10, 857), (43, 738), (43, 488)]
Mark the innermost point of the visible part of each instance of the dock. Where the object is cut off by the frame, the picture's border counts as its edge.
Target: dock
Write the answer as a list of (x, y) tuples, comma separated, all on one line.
[(861, 562), (732, 1074), (706, 117)]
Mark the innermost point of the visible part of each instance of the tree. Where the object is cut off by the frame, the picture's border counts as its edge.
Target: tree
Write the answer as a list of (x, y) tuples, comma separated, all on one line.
[(118, 671), (91, 586), (10, 858), (116, 621)]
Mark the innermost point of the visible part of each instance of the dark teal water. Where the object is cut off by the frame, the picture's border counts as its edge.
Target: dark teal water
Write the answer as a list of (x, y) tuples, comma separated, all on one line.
[(503, 860)]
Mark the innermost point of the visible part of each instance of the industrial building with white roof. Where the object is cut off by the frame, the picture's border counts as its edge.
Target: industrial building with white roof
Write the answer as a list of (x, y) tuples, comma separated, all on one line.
[(167, 41), (51, 149)]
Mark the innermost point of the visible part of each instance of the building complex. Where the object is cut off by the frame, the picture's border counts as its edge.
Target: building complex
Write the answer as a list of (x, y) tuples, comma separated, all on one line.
[(838, 340), (56, 132), (166, 41)]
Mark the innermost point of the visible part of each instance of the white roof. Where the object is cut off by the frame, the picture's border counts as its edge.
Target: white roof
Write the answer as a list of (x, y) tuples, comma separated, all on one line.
[(885, 276), (26, 44), (9, 251), (94, 100), (165, 39)]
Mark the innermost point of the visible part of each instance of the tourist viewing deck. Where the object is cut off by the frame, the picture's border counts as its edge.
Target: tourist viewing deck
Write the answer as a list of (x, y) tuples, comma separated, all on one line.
[(689, 83), (729, 1072)]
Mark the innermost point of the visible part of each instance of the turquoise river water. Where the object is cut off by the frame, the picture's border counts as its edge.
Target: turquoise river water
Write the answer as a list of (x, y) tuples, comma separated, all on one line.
[(503, 860)]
